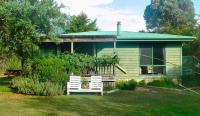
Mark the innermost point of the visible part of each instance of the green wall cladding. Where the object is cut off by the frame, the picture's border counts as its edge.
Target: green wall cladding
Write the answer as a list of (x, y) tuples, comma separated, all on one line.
[(173, 60), (128, 53), (104, 49), (129, 59)]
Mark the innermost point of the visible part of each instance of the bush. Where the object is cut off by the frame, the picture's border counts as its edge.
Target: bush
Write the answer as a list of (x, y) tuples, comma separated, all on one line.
[(126, 85), (141, 83), (191, 80), (34, 87), (13, 63), (49, 68), (108, 87), (163, 83), (77, 63)]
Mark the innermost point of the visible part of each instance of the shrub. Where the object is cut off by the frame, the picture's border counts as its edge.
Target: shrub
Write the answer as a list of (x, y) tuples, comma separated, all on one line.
[(32, 86), (163, 83), (191, 80), (108, 87), (126, 85), (50, 68), (77, 63), (141, 83), (13, 63)]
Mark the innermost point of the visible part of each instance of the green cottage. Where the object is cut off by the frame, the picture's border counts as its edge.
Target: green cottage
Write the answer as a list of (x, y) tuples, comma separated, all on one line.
[(143, 56)]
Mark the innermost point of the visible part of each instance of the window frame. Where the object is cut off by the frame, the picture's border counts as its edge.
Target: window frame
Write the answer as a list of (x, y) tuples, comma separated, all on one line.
[(152, 54)]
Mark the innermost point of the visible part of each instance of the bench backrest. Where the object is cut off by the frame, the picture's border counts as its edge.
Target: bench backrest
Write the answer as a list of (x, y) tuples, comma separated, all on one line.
[(75, 82), (96, 82)]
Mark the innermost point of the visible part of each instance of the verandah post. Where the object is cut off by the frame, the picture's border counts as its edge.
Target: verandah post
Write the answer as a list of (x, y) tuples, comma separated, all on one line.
[(72, 47), (72, 51), (114, 50)]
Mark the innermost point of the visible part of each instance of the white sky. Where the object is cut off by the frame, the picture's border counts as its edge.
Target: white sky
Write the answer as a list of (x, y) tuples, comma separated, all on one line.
[(108, 12), (107, 16)]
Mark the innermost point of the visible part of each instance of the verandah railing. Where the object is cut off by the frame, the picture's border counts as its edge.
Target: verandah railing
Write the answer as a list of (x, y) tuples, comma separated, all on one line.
[(106, 71)]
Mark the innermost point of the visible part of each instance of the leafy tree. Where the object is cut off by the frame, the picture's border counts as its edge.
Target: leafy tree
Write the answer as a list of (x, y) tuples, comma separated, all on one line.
[(80, 23), (170, 16), (193, 48), (22, 22)]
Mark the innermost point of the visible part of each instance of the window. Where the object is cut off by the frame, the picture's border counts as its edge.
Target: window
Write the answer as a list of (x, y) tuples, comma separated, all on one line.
[(152, 59)]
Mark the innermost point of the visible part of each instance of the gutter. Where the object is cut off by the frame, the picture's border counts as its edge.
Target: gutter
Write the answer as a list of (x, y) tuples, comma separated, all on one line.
[(152, 40)]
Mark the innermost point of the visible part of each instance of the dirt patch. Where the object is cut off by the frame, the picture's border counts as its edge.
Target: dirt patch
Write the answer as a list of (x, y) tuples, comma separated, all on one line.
[(9, 95), (142, 89)]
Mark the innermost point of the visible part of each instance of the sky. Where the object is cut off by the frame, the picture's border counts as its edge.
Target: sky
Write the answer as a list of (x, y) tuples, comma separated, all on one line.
[(108, 12)]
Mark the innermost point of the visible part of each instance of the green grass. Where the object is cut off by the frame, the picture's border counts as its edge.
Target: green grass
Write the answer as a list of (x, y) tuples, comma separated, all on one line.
[(145, 103), (142, 102)]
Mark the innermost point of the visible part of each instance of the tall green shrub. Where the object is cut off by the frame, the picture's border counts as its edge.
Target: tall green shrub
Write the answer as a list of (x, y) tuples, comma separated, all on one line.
[(49, 68)]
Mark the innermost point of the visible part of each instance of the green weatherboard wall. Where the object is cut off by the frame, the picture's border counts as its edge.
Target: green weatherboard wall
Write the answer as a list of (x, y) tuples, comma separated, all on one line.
[(128, 50), (128, 53)]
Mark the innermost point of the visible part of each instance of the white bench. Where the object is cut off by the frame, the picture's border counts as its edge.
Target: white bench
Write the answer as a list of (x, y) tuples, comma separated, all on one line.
[(95, 86), (74, 84)]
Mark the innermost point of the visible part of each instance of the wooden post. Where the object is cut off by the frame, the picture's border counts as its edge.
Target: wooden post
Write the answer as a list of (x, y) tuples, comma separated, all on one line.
[(114, 49), (94, 49), (72, 47), (72, 51), (58, 48)]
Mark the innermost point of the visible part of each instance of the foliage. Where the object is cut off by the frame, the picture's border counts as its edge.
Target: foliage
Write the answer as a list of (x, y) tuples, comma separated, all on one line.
[(35, 87), (126, 85), (9, 62), (49, 68), (80, 23), (191, 80), (193, 48), (107, 60), (163, 83), (78, 63), (57, 68), (141, 83), (22, 23), (13, 63), (108, 87), (5, 84), (170, 16)]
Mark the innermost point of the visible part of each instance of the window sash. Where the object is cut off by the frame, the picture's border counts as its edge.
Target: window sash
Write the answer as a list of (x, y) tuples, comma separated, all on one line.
[(146, 55), (154, 63), (151, 56)]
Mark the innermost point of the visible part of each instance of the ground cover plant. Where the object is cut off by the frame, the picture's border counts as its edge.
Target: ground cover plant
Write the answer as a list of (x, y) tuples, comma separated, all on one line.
[(126, 85), (163, 83), (32, 86)]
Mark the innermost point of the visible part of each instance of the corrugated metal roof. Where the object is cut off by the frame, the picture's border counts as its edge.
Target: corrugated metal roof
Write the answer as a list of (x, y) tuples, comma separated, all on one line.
[(130, 36)]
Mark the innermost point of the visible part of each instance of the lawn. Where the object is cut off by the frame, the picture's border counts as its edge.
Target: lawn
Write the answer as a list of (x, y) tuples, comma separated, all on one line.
[(142, 102)]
